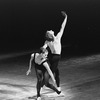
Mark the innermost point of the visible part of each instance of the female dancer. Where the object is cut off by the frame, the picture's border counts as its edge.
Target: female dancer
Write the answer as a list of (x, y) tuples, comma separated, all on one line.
[(42, 71)]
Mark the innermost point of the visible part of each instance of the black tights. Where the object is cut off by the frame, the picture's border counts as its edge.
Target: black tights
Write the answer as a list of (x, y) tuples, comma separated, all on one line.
[(46, 81), (54, 60), (39, 75), (56, 73), (55, 70), (43, 79)]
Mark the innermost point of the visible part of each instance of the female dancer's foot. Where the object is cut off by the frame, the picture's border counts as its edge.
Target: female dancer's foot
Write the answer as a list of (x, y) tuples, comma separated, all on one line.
[(38, 98), (59, 88), (60, 93)]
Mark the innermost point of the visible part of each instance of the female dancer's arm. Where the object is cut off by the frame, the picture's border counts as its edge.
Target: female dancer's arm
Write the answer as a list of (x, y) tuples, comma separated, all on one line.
[(30, 64)]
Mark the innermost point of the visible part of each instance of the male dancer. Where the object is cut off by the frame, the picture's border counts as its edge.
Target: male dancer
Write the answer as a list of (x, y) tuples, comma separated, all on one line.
[(54, 44), (41, 65)]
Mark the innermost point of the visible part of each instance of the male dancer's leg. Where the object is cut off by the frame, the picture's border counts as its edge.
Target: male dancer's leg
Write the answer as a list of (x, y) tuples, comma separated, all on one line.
[(57, 77), (54, 68)]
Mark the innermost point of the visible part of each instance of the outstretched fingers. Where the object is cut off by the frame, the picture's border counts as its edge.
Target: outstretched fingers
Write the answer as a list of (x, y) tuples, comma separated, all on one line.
[(64, 13)]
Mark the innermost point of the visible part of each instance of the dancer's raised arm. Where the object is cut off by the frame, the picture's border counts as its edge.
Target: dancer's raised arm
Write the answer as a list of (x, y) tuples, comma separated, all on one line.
[(59, 35)]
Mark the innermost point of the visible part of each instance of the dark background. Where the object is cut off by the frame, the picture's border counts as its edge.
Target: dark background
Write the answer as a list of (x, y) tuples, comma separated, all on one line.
[(23, 24)]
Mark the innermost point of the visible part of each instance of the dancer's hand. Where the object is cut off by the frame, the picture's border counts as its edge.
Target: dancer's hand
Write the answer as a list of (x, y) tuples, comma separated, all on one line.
[(63, 13), (29, 71)]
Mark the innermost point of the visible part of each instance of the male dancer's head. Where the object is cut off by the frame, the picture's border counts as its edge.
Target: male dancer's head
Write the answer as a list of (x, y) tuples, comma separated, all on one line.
[(50, 35)]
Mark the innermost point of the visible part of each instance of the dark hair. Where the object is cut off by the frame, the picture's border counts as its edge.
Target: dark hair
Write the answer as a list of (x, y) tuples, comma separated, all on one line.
[(42, 50), (48, 37)]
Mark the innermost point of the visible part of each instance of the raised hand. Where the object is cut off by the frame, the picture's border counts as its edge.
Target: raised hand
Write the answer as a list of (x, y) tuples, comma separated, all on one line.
[(63, 13)]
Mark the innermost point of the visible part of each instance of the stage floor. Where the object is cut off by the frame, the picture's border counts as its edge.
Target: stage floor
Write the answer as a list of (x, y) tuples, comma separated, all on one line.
[(80, 78)]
